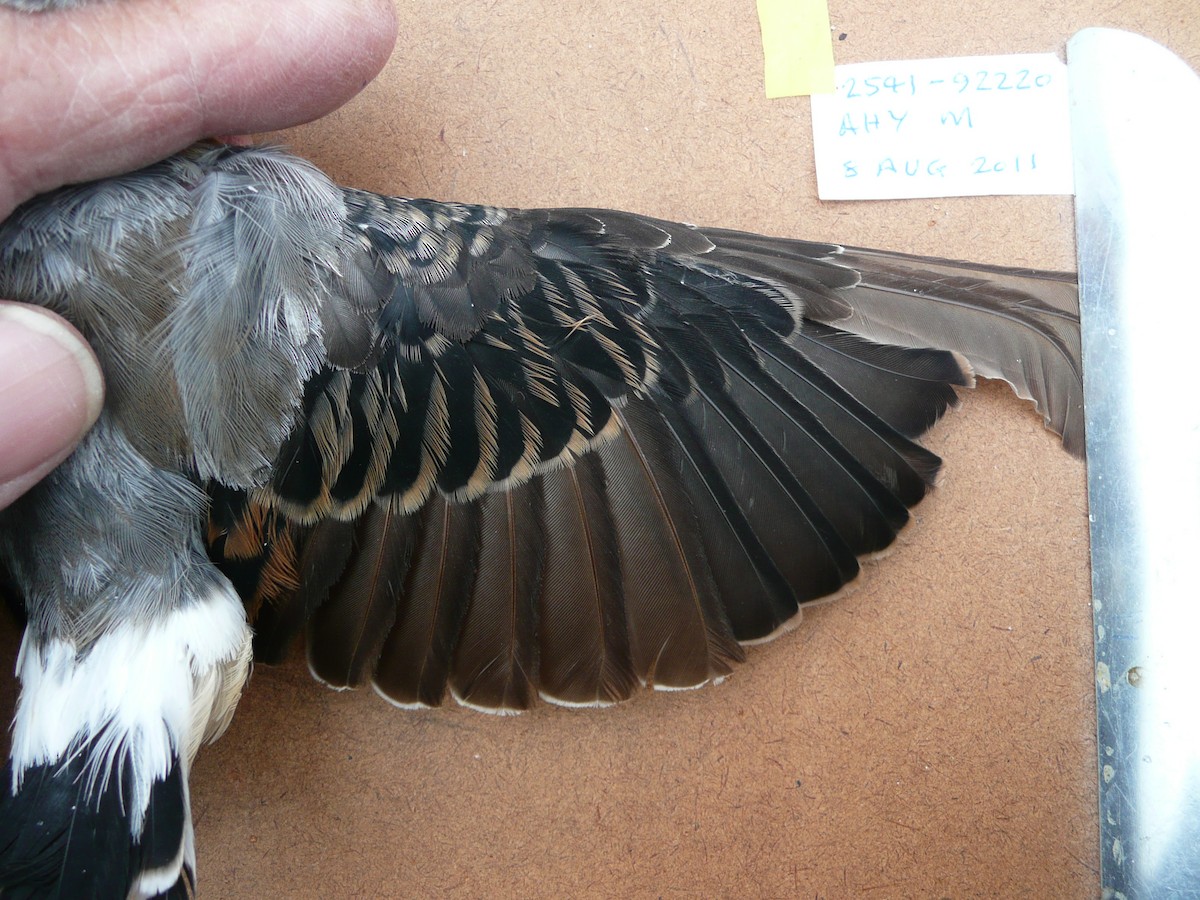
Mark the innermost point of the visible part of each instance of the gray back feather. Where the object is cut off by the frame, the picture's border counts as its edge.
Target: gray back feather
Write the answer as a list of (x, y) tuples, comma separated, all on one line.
[(261, 248), (201, 282), (89, 551), (43, 5)]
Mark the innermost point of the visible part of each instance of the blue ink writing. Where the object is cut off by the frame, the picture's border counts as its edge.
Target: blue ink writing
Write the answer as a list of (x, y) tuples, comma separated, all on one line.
[(911, 167), (984, 166), (958, 118)]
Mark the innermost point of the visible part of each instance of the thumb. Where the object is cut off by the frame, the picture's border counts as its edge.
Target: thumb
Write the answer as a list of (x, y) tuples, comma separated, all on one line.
[(51, 392)]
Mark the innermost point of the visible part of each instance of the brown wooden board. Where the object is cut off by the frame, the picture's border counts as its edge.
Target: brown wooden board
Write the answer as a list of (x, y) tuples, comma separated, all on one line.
[(930, 734)]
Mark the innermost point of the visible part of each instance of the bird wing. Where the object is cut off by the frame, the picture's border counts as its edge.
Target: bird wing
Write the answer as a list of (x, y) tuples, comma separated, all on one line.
[(491, 453), (568, 452)]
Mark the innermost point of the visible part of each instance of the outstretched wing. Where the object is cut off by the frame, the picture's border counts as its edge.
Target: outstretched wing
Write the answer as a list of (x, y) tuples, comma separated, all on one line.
[(494, 453), (575, 451)]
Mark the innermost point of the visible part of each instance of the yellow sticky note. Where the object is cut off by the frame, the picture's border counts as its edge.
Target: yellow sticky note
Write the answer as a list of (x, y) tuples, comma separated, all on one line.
[(797, 47)]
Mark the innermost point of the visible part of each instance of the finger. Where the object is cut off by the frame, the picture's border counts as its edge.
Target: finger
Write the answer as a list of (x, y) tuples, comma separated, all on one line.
[(50, 394), (103, 89)]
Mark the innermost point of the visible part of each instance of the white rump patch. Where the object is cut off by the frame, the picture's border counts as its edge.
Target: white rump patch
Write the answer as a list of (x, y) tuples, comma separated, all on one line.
[(149, 692)]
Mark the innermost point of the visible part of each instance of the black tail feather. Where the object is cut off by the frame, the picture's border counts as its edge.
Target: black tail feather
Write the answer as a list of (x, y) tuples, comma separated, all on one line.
[(67, 834)]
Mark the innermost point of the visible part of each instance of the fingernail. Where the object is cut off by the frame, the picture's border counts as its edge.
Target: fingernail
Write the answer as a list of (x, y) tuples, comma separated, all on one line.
[(51, 392)]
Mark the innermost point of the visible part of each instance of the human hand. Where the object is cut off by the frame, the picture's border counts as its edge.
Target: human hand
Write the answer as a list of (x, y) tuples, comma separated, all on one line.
[(106, 88)]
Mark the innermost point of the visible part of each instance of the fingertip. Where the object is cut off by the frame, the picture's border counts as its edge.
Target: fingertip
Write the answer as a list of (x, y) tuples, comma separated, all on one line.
[(160, 76), (314, 57), (51, 392), (379, 20)]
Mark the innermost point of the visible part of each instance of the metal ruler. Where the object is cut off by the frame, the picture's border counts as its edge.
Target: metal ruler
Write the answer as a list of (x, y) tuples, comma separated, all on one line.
[(1135, 120)]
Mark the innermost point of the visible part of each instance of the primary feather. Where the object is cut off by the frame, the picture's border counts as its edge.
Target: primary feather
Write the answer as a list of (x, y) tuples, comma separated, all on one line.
[(485, 453)]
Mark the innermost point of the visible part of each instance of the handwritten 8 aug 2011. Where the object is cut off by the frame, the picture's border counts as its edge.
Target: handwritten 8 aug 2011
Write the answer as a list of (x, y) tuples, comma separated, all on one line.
[(944, 127)]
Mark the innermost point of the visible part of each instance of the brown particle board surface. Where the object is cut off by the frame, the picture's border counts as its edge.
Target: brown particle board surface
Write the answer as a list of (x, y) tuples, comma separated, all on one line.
[(929, 734)]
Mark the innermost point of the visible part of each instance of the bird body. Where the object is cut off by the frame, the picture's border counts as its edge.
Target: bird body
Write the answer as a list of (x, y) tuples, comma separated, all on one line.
[(486, 453)]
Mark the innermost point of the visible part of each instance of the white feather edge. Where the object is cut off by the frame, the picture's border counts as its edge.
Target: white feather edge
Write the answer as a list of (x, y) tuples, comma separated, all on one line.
[(150, 691), (155, 882)]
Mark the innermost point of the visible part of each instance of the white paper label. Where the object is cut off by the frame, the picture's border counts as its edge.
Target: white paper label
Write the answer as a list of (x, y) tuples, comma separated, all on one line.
[(961, 126)]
